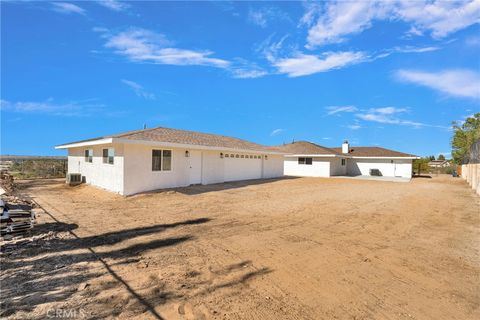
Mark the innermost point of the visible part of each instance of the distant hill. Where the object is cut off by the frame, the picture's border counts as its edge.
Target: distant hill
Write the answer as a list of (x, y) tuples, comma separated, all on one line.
[(11, 157)]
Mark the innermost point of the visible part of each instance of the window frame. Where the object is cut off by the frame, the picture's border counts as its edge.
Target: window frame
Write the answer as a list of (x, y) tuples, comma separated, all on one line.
[(88, 158), (344, 162), (305, 161), (106, 159), (161, 163)]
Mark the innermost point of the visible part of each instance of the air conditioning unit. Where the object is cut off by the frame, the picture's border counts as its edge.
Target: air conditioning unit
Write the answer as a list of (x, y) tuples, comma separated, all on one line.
[(74, 179)]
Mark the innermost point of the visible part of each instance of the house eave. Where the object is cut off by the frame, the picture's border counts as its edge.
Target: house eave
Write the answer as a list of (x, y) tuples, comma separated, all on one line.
[(85, 143), (163, 144), (346, 156), (365, 157), (314, 155)]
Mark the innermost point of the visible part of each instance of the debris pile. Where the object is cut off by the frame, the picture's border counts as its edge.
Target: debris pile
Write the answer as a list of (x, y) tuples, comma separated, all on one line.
[(16, 214), (6, 182), (15, 219)]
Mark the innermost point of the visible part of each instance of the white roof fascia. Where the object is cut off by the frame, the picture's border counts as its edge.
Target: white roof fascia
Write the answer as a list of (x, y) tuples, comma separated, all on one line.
[(316, 155), (353, 157), (85, 143)]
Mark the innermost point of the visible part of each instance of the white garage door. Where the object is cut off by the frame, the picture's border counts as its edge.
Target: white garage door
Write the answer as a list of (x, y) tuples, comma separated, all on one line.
[(238, 168)]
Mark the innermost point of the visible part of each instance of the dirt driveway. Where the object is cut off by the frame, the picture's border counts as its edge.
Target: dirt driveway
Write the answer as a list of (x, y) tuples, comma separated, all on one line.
[(307, 248)]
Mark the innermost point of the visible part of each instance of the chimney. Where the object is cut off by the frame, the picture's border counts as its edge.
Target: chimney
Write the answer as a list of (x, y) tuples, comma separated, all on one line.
[(345, 147)]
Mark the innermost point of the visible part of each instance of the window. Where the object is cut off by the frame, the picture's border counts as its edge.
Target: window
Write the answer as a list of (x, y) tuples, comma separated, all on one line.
[(343, 162), (305, 161), (266, 158), (108, 155), (237, 156), (232, 156), (161, 160), (227, 155), (167, 160), (89, 155), (156, 160), (242, 156)]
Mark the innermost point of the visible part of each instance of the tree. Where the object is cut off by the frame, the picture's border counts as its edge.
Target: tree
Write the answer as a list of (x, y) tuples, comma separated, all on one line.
[(441, 157), (421, 165), (464, 135), (431, 158)]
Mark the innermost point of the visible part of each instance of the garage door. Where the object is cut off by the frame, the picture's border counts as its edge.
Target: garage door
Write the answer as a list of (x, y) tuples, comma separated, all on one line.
[(242, 167)]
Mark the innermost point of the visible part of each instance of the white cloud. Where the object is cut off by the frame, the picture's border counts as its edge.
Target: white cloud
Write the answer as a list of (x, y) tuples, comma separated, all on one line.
[(303, 64), (337, 109), (388, 110), (140, 45), (354, 126), (456, 82), (390, 115), (262, 16), (73, 109), (276, 132), (413, 31), (410, 49), (257, 17), (243, 73), (114, 5), (339, 19), (139, 90), (243, 69), (65, 7)]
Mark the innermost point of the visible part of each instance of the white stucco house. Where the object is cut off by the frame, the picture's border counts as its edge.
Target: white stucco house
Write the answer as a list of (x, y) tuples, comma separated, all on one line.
[(157, 158), (304, 158)]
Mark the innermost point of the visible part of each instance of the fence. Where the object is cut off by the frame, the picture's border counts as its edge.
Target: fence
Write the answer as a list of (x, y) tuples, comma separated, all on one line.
[(471, 168), (471, 173)]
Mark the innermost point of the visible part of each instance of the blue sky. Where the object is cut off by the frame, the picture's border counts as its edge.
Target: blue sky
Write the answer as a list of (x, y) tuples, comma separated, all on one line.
[(392, 74)]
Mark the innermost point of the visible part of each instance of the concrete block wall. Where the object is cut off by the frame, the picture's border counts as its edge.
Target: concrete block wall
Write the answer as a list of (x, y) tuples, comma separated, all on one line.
[(471, 173)]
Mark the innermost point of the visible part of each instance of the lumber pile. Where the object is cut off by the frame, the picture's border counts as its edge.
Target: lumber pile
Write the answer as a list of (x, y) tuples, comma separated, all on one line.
[(15, 219), (17, 216)]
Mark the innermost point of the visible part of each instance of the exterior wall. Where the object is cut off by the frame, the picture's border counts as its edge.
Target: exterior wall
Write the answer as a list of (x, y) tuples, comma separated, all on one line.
[(320, 167), (471, 173), (242, 168), (336, 168), (138, 173), (103, 175), (273, 167), (139, 176), (132, 169), (212, 167), (399, 167)]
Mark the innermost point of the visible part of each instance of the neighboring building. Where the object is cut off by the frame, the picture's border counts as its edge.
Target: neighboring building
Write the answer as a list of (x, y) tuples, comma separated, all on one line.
[(150, 159), (439, 163), (308, 159)]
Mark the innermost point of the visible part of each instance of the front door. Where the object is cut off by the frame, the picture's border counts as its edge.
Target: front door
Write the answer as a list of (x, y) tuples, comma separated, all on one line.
[(195, 164)]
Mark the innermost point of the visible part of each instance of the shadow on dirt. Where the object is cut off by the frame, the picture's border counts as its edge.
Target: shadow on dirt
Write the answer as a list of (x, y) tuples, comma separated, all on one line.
[(199, 189), (56, 266), (422, 176), (50, 265)]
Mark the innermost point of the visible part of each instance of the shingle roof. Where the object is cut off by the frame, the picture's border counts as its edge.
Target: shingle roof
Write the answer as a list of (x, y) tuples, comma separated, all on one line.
[(168, 135), (305, 147), (374, 152)]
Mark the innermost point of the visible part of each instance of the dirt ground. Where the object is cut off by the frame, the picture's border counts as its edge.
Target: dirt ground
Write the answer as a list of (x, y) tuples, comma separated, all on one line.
[(306, 248)]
